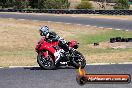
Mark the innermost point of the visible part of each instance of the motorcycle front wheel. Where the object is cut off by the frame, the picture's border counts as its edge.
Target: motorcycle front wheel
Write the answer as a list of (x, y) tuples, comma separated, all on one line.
[(76, 63), (45, 63)]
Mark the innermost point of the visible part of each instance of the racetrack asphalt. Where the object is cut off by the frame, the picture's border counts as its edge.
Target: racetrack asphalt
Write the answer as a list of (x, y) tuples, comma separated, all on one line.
[(64, 77), (99, 22)]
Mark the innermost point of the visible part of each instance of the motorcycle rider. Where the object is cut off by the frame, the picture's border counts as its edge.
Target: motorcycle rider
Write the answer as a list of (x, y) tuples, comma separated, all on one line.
[(53, 37)]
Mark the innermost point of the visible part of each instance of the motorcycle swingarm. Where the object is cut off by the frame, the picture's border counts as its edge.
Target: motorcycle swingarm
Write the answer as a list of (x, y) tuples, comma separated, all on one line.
[(77, 58)]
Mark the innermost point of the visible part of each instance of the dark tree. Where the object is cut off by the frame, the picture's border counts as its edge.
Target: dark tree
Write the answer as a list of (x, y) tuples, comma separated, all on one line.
[(34, 3), (122, 4), (6, 3), (21, 4)]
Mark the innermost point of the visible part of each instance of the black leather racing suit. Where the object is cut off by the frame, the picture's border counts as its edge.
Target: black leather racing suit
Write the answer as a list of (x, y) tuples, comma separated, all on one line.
[(53, 37)]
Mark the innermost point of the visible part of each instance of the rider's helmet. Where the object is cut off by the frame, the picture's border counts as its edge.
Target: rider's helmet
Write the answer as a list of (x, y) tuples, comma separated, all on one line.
[(44, 30)]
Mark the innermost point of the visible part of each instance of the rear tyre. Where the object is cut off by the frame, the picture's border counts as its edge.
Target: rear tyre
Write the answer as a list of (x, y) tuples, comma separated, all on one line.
[(76, 63), (45, 63)]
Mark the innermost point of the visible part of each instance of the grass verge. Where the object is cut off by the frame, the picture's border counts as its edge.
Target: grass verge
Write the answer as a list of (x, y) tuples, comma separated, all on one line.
[(18, 39)]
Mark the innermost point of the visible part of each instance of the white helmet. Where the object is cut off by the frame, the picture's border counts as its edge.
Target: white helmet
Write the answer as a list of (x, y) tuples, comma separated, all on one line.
[(44, 30)]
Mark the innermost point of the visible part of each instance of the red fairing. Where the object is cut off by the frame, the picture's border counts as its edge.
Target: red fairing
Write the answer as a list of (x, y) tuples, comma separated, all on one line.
[(45, 54), (45, 46), (73, 43), (41, 41)]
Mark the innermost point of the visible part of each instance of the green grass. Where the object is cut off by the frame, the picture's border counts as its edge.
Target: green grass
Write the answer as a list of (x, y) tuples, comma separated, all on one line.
[(104, 36), (130, 58)]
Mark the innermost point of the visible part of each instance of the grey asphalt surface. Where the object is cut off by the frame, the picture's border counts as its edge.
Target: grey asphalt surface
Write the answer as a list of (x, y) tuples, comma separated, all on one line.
[(34, 77), (100, 22)]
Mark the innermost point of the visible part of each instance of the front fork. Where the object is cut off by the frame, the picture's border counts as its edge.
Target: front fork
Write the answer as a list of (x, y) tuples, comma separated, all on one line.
[(57, 56), (44, 57), (45, 54)]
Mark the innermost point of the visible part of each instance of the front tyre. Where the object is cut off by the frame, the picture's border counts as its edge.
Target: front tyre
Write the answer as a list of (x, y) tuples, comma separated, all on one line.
[(79, 62), (45, 63)]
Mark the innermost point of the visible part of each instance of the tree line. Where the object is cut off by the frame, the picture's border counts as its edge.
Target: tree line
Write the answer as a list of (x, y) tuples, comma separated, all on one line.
[(35, 4), (57, 4)]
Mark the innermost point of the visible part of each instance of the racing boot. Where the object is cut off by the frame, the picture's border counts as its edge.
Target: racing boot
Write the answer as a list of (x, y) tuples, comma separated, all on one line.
[(68, 55)]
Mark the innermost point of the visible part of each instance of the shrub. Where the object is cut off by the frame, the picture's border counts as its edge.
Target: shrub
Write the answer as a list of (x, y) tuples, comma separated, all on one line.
[(6, 3), (84, 5), (21, 4), (33, 3), (54, 4), (122, 4)]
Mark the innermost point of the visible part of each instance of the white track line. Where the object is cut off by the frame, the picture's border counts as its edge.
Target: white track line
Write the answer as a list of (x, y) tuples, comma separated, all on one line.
[(86, 64), (49, 21), (22, 66), (117, 29), (58, 22), (10, 18), (87, 25), (99, 64), (100, 27), (109, 63), (35, 20), (110, 28), (21, 19), (94, 26), (126, 63), (78, 24), (68, 23)]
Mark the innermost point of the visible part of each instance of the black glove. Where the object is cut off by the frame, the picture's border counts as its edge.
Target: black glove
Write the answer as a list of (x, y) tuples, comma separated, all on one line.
[(49, 40), (62, 41)]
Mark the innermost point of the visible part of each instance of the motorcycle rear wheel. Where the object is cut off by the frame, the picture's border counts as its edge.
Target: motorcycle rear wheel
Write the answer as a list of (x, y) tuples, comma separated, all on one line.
[(76, 64), (45, 63)]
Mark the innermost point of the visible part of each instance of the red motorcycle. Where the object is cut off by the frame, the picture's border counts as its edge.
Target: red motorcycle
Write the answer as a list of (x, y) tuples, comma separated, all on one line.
[(50, 52)]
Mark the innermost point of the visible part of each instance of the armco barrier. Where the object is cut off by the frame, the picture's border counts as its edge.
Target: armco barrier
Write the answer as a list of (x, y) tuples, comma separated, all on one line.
[(65, 11)]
